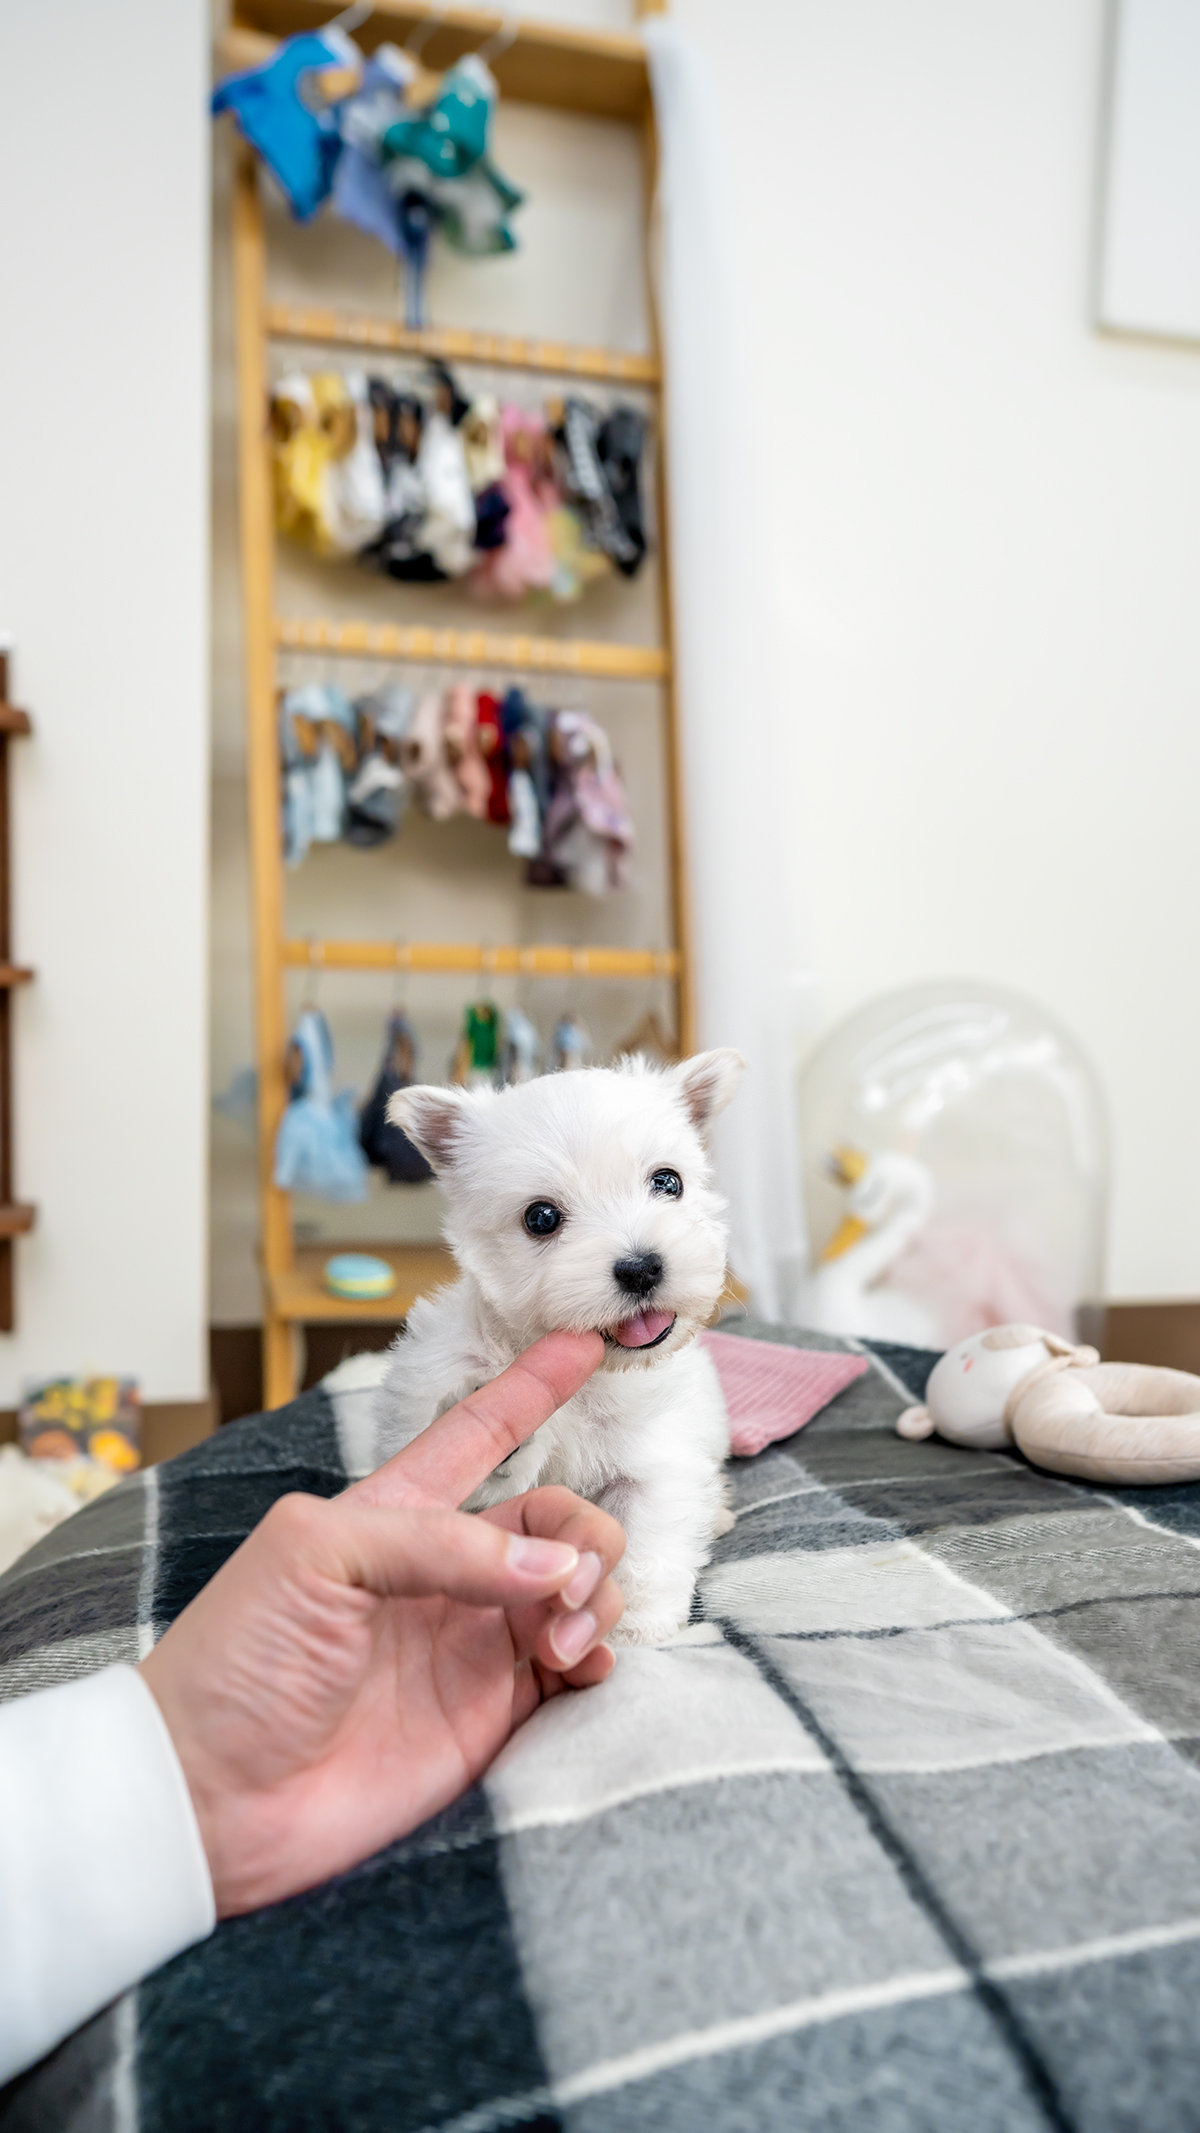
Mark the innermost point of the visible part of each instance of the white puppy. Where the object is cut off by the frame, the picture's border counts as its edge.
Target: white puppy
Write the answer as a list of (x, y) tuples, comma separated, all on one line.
[(576, 1201)]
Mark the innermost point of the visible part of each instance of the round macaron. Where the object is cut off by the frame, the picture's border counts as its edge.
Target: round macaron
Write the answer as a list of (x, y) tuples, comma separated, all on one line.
[(359, 1276)]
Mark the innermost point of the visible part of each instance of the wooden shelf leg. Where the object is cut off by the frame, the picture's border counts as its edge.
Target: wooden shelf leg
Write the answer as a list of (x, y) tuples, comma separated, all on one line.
[(262, 744), (685, 1003), (280, 1361)]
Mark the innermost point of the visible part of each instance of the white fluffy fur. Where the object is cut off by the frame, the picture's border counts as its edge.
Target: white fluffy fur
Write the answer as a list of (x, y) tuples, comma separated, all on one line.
[(648, 1435)]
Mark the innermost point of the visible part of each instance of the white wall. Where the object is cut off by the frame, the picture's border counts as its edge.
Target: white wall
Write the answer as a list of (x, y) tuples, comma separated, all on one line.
[(103, 582), (984, 528), (986, 535)]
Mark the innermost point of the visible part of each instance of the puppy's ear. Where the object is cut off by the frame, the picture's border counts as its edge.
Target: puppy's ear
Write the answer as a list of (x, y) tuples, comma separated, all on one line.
[(706, 1083), (433, 1119)]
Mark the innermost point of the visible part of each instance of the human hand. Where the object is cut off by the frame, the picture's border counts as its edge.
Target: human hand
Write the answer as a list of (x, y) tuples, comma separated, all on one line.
[(360, 1660)]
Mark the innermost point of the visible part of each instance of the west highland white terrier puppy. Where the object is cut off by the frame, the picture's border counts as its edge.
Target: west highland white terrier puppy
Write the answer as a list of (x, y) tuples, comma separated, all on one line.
[(579, 1201)]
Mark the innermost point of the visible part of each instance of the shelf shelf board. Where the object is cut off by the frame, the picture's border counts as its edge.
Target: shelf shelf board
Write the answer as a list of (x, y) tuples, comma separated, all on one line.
[(451, 957), (17, 1218), (598, 71), (473, 648), (301, 1297), (14, 974), (453, 344), (14, 721)]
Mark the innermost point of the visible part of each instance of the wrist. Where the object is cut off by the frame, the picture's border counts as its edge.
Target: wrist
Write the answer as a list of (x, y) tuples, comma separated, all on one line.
[(203, 1789)]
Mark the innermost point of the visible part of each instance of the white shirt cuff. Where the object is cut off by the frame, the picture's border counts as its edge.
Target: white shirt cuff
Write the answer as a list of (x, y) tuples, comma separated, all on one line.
[(102, 1869)]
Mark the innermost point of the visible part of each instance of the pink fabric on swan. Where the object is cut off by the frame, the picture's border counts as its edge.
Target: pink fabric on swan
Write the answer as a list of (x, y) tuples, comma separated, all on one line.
[(771, 1390)]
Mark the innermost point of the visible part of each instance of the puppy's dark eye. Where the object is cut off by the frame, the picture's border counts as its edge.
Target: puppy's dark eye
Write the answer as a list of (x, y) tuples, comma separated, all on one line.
[(542, 1218), (668, 1183)]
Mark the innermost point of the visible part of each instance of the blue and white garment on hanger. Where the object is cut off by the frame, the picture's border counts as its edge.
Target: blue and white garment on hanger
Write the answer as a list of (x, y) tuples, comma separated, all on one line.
[(317, 1147), (361, 192), (314, 786), (522, 1046)]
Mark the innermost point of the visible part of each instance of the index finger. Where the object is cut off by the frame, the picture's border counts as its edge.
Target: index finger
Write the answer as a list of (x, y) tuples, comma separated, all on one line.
[(464, 1445)]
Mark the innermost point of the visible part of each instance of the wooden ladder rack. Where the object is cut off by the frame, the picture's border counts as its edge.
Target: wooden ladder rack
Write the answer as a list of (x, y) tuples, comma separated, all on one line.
[(564, 69)]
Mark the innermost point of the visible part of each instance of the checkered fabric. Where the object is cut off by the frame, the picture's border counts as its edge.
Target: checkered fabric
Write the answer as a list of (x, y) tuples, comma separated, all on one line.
[(902, 1834)]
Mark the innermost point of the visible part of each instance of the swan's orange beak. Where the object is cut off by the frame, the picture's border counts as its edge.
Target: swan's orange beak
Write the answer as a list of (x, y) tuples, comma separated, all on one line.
[(847, 1234), (846, 1164)]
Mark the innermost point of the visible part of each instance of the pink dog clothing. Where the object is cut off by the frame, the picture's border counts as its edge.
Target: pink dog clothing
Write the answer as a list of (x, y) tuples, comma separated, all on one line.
[(525, 562), (772, 1390)]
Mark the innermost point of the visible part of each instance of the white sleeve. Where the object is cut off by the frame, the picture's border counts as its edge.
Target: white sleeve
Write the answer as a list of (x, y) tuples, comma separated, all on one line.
[(102, 1869)]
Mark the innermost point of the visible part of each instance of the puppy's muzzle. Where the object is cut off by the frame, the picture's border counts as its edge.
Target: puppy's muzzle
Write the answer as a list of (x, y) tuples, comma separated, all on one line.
[(639, 1274)]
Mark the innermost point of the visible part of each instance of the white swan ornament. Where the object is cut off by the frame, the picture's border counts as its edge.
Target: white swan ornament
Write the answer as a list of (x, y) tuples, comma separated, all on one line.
[(1063, 1408), (890, 1200)]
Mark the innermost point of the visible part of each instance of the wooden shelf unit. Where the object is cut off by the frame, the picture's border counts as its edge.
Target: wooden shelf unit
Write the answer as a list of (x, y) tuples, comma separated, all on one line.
[(565, 69)]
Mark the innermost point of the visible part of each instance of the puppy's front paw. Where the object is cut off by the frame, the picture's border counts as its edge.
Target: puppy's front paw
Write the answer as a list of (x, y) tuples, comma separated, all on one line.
[(653, 1617), (646, 1629)]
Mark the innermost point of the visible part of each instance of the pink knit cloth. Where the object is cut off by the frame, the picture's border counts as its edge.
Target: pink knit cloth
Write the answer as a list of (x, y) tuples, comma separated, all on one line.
[(771, 1390)]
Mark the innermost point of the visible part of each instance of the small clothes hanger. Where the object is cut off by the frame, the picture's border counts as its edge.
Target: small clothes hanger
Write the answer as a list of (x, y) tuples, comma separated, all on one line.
[(499, 41), (352, 17)]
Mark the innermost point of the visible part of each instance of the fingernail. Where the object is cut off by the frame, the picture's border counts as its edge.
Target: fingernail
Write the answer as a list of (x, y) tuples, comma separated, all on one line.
[(571, 1635), (539, 1558), (585, 1580)]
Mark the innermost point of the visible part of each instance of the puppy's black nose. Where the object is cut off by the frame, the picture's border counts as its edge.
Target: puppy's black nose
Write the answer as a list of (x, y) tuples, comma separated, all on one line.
[(638, 1274)]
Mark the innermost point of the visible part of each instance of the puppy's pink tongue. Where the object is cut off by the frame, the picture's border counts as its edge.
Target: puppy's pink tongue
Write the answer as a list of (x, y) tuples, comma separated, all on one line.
[(640, 1331)]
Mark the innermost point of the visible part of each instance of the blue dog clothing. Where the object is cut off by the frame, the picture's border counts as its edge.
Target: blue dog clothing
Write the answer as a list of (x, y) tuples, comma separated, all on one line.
[(298, 143), (361, 193), (317, 1149)]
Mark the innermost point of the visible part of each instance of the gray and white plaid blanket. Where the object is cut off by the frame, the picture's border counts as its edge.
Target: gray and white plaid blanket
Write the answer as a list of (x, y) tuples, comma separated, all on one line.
[(902, 1834)]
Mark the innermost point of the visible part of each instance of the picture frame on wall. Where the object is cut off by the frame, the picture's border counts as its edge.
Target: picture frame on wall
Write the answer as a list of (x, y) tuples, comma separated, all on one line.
[(1149, 260)]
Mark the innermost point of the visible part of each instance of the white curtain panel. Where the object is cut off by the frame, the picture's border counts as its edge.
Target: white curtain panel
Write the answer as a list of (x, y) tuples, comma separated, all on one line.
[(752, 990)]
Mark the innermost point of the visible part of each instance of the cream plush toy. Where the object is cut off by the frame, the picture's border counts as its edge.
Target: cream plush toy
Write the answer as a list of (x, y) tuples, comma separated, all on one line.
[(37, 1494), (1063, 1407)]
